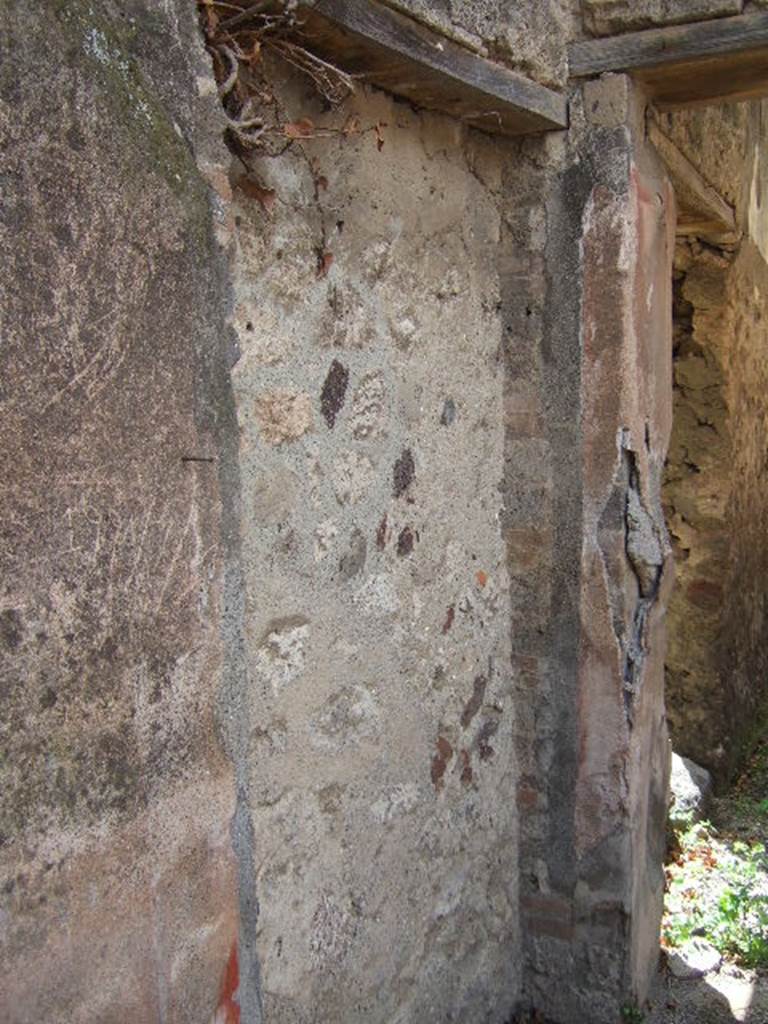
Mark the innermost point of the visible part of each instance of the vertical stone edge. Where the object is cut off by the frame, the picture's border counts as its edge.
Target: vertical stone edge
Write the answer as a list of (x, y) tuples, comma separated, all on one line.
[(621, 791), (593, 826), (239, 993)]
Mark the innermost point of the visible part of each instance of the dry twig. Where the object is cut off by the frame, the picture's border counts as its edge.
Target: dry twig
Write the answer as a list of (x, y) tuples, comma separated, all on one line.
[(238, 43)]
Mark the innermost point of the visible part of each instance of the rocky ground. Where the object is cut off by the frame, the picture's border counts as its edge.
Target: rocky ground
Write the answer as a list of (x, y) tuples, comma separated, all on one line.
[(718, 879), (722, 996)]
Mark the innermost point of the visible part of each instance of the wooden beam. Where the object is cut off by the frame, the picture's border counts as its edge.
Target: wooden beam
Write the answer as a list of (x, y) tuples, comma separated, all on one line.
[(404, 57), (714, 61), (701, 210)]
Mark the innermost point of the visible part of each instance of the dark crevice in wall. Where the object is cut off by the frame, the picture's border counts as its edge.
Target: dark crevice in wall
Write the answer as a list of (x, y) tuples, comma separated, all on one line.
[(644, 547)]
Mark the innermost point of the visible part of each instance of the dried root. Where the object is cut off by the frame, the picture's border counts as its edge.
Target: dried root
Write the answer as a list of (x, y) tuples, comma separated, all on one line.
[(239, 34)]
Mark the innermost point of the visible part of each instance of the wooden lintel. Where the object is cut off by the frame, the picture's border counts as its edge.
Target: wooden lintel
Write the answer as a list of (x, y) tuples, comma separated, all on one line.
[(701, 210), (404, 57), (721, 60)]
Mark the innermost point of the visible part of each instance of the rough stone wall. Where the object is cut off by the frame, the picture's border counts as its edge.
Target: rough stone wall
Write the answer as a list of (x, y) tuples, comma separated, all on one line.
[(611, 17), (347, 547), (118, 885), (745, 618), (259, 742), (529, 36), (696, 490), (607, 17), (714, 487), (455, 564)]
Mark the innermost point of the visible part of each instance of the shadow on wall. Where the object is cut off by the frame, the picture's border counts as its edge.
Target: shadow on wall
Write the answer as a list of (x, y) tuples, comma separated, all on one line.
[(715, 489)]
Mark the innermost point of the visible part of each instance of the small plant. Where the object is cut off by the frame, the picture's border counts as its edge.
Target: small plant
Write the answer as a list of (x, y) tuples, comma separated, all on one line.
[(632, 1014), (718, 890)]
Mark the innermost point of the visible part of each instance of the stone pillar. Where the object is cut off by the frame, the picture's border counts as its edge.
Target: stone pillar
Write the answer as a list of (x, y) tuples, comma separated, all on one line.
[(591, 881)]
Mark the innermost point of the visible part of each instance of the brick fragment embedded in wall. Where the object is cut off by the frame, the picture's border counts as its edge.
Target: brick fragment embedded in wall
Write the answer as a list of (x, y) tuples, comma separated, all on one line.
[(487, 731), (475, 702), (466, 768), (381, 533), (403, 473), (551, 916), (440, 761), (334, 392), (405, 542)]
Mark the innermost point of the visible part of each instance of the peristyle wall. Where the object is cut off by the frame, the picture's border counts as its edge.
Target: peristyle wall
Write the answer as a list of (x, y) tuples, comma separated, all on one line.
[(334, 567)]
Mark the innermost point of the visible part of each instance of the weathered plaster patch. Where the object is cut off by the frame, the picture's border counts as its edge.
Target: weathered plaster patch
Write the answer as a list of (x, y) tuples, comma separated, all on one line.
[(283, 416), (352, 475), (280, 658), (346, 719), (398, 801)]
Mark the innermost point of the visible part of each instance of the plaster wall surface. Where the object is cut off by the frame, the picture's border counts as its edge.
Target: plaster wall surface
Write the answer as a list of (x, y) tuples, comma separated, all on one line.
[(370, 396), (592, 743)]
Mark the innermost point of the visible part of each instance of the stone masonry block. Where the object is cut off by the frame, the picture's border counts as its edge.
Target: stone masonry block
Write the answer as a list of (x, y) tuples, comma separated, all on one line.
[(605, 17), (606, 101)]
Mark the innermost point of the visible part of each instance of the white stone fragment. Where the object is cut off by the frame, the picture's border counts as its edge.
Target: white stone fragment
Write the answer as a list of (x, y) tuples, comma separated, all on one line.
[(280, 659), (694, 960), (690, 786)]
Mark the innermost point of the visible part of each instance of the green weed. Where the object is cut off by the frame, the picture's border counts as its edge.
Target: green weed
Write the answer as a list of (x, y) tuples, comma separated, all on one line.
[(630, 1014), (718, 889)]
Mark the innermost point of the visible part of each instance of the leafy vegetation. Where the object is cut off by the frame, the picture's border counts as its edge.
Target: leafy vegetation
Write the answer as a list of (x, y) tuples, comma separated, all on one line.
[(718, 889), (630, 1014), (717, 883)]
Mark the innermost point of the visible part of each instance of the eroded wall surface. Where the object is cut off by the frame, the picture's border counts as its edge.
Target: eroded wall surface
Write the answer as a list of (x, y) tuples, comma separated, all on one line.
[(118, 878), (714, 486), (609, 17), (529, 36), (335, 561)]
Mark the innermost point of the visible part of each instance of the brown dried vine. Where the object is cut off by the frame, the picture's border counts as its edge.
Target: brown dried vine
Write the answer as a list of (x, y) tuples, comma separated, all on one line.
[(239, 35)]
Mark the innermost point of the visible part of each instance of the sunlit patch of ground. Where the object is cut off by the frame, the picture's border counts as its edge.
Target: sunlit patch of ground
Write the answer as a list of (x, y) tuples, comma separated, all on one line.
[(717, 899)]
